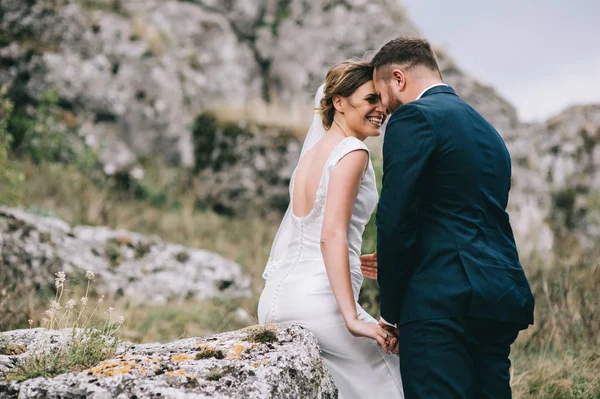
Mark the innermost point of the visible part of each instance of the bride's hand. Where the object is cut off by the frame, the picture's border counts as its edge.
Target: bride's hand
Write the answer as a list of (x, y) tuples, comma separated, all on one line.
[(384, 338)]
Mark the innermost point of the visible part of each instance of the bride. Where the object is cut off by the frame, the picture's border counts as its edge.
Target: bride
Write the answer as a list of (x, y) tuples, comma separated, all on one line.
[(313, 276)]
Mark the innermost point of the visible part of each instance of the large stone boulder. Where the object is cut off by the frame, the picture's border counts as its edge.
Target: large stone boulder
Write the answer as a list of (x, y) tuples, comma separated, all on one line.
[(142, 269), (256, 362)]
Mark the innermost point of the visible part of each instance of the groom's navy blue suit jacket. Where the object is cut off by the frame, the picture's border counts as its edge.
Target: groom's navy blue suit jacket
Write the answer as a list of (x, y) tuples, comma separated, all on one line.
[(445, 247)]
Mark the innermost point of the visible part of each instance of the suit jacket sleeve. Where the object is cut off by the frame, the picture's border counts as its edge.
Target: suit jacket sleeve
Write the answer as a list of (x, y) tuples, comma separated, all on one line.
[(408, 145)]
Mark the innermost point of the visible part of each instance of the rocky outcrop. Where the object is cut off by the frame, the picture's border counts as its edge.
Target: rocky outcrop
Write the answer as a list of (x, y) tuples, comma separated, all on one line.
[(565, 151), (144, 270), (257, 362), (243, 167)]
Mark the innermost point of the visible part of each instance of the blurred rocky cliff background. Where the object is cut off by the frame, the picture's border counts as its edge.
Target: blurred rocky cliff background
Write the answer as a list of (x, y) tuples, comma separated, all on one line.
[(184, 119)]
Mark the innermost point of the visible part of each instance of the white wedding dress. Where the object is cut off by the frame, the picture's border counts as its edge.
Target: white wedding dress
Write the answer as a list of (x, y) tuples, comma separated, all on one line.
[(298, 292)]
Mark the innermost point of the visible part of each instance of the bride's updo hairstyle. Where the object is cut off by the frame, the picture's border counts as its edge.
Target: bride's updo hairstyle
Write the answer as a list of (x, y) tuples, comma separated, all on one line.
[(342, 79)]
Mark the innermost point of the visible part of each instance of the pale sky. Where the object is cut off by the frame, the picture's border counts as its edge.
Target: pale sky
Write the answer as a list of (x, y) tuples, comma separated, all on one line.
[(541, 55)]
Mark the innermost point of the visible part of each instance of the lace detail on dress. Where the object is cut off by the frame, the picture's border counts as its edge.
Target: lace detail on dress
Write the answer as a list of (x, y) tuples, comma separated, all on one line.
[(345, 146)]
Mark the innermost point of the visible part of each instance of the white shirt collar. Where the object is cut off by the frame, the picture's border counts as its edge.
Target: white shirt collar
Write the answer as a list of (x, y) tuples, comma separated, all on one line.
[(430, 87)]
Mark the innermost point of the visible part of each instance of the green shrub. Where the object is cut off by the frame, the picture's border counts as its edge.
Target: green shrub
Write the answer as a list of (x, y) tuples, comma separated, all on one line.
[(48, 133)]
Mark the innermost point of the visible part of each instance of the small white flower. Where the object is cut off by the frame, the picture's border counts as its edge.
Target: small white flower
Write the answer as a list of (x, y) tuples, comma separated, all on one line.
[(30, 323), (50, 313), (90, 275), (70, 304), (109, 310), (121, 320), (84, 300), (55, 305), (60, 279), (101, 299)]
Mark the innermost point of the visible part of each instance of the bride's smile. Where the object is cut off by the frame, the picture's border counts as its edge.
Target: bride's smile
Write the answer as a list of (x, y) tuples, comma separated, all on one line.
[(375, 120)]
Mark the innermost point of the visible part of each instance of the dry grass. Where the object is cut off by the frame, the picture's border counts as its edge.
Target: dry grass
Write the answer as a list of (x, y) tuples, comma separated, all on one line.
[(562, 375), (567, 304)]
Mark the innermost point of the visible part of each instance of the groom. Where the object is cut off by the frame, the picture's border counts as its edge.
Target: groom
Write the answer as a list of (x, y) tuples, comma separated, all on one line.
[(448, 267)]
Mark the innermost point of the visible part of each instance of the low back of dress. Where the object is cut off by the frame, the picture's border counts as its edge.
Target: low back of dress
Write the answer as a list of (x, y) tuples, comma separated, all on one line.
[(303, 256)]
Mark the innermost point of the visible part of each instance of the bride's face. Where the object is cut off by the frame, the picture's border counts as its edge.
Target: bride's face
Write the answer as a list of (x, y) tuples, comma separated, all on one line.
[(363, 111)]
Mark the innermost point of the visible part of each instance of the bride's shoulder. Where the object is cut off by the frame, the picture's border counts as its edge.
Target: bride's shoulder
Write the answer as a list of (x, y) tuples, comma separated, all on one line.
[(352, 143), (352, 153)]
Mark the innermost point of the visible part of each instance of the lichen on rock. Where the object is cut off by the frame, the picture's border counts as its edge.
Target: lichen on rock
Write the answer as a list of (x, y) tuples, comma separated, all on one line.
[(285, 368)]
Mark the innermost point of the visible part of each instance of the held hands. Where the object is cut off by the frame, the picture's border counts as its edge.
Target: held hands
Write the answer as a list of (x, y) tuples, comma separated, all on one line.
[(394, 332), (386, 338), (368, 266)]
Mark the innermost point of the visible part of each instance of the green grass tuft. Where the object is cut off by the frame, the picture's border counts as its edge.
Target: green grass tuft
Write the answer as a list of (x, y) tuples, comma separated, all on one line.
[(87, 348)]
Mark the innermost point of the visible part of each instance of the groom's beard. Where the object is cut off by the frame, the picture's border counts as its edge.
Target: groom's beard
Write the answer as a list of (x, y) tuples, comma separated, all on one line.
[(394, 101)]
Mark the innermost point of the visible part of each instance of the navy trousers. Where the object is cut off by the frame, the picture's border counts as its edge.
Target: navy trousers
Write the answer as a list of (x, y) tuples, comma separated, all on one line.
[(456, 358)]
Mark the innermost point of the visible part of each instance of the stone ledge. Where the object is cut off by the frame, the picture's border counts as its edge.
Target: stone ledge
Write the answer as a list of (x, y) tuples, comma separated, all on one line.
[(284, 363)]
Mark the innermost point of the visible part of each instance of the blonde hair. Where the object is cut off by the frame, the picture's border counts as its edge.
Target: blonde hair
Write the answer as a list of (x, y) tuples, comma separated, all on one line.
[(342, 79)]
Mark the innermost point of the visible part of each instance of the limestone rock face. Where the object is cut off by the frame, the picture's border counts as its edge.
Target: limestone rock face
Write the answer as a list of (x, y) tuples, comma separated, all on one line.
[(567, 154), (277, 362), (144, 270)]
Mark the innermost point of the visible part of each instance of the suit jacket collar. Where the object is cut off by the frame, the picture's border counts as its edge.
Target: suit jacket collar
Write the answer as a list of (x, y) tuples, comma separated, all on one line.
[(439, 89)]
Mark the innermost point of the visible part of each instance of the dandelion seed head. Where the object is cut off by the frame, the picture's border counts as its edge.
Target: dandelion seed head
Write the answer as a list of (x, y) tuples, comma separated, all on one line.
[(90, 275)]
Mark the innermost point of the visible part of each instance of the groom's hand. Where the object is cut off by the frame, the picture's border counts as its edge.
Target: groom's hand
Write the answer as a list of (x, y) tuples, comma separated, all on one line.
[(393, 344), (368, 266)]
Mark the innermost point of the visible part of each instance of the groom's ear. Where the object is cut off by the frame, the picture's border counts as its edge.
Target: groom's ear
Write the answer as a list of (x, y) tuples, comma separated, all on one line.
[(399, 78)]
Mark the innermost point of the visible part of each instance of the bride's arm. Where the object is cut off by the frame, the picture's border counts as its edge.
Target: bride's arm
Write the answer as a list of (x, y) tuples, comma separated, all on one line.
[(344, 184)]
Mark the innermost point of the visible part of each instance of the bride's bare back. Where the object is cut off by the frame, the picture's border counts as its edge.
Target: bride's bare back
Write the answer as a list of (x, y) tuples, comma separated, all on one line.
[(308, 176)]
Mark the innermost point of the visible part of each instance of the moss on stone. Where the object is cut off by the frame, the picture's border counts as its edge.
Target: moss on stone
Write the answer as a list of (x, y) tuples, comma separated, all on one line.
[(209, 353), (262, 335), (214, 374), (182, 257), (142, 249), (113, 253)]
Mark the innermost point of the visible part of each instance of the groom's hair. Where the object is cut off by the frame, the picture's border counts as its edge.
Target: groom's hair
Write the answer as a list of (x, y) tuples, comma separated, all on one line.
[(408, 52)]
